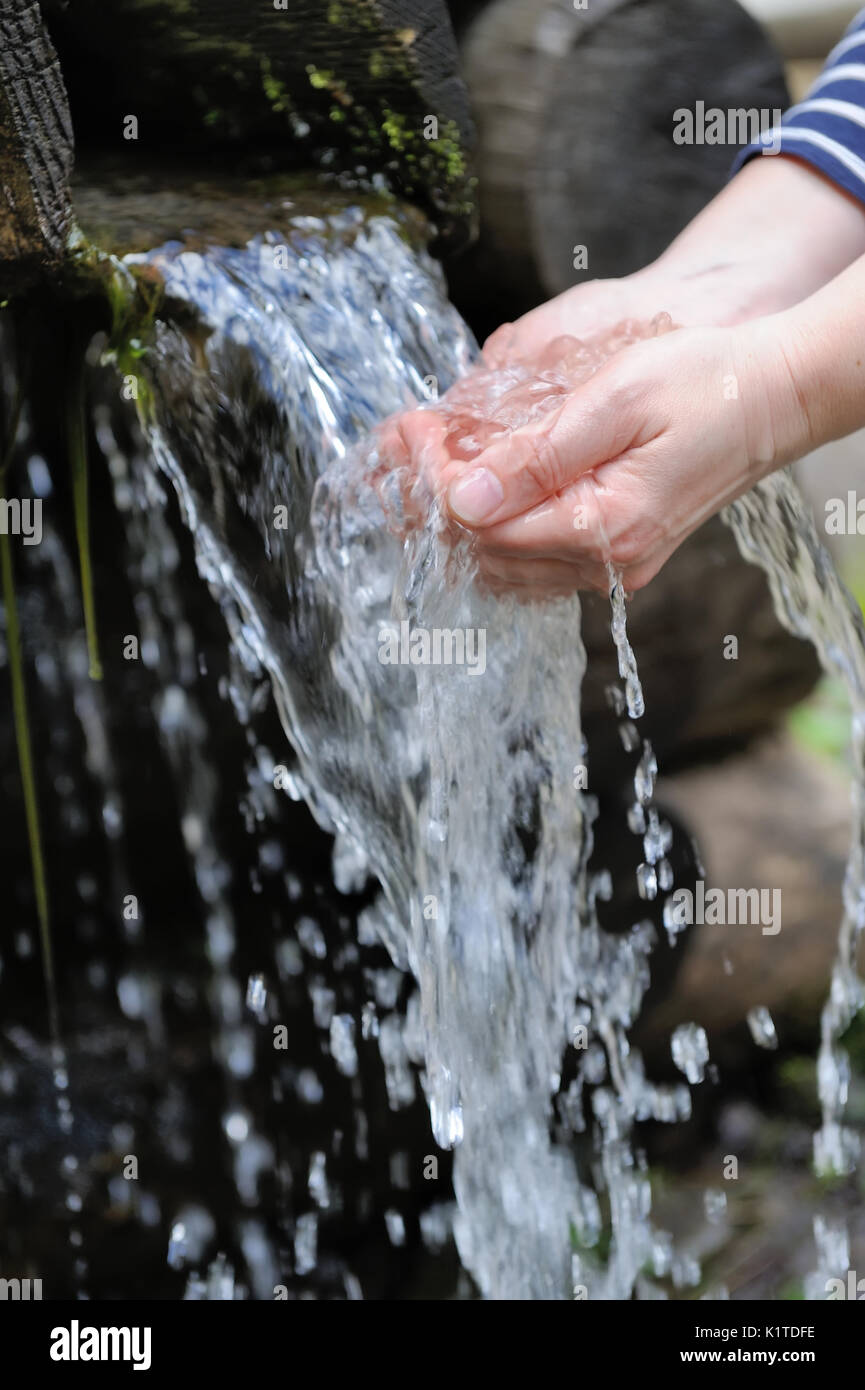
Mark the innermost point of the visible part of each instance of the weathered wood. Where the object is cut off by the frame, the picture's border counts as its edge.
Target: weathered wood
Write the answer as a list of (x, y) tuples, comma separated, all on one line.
[(350, 85), (124, 211), (574, 112), (35, 148)]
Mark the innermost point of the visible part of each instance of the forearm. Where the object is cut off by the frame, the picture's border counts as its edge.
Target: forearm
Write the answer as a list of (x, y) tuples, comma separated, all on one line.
[(775, 234), (822, 342)]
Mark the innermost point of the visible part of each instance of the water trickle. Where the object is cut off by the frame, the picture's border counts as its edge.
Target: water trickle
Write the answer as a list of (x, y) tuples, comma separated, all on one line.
[(690, 1049), (762, 1027), (774, 529)]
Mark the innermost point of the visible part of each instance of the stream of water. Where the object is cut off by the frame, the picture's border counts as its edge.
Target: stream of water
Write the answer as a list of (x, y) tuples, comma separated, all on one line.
[(454, 786), (449, 783)]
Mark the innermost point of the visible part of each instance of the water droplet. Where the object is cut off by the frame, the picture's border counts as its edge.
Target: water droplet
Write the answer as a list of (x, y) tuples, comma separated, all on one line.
[(762, 1027)]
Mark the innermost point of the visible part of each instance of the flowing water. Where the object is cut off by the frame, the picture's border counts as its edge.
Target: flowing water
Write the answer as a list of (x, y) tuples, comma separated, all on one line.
[(774, 529), (453, 785), (450, 783)]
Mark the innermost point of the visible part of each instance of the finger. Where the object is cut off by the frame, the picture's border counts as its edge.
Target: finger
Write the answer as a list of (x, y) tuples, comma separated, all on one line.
[(390, 447), (394, 472), (499, 345), (595, 424), (569, 527), (517, 342), (564, 315), (585, 311), (422, 434), (592, 525), (539, 579)]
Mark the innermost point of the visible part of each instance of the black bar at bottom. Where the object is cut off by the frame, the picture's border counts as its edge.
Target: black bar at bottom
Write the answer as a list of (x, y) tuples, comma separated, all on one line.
[(260, 1340)]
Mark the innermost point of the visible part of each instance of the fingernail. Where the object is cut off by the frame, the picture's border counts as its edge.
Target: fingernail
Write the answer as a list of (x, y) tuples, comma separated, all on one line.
[(476, 496)]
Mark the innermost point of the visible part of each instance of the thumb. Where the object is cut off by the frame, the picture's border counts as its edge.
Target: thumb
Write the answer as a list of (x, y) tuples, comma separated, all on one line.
[(518, 472)]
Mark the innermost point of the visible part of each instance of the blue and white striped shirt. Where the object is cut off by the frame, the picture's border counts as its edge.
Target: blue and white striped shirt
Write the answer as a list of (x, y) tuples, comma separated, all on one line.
[(827, 129)]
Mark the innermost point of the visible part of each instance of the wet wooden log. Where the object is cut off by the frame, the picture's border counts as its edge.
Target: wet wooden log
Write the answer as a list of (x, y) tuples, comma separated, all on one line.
[(574, 113), (35, 149), (358, 86), (365, 88)]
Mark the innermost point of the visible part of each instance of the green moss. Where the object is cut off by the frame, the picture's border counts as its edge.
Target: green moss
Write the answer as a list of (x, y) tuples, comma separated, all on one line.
[(451, 150), (792, 1291), (133, 295), (275, 91), (319, 78), (822, 722), (395, 129)]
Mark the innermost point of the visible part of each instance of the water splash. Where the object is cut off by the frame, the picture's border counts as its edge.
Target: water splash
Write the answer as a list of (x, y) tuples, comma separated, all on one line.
[(471, 825), (454, 792)]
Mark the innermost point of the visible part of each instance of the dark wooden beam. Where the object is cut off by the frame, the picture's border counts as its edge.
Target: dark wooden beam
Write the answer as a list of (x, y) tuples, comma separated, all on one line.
[(348, 85)]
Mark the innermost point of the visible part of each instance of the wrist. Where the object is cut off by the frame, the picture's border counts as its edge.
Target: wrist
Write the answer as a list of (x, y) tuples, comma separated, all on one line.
[(776, 392), (777, 233), (823, 340), (707, 294)]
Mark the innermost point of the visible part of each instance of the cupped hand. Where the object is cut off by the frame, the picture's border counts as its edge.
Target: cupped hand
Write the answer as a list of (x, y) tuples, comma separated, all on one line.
[(584, 312), (632, 461), (720, 295)]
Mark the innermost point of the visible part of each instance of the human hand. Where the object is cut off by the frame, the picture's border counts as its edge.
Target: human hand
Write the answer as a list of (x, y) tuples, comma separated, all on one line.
[(773, 236), (662, 436)]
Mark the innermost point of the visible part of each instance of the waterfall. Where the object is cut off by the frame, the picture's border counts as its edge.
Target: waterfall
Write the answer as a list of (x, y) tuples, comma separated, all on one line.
[(433, 729), (454, 787)]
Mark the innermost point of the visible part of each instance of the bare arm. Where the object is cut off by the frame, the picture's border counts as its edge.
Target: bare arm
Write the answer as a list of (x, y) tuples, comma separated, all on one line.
[(776, 233)]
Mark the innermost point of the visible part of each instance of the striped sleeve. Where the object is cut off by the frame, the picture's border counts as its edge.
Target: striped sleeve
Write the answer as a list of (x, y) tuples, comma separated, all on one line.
[(827, 129)]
